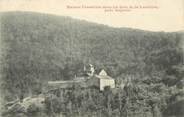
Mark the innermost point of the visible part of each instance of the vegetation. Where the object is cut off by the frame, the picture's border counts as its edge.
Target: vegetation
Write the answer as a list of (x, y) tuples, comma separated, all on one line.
[(37, 48)]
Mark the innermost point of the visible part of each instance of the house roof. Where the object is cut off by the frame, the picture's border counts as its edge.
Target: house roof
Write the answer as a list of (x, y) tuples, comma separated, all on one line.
[(66, 84), (103, 77), (103, 73)]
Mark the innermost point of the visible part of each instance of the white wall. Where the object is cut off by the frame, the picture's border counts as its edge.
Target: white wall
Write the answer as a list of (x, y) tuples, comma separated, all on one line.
[(106, 82)]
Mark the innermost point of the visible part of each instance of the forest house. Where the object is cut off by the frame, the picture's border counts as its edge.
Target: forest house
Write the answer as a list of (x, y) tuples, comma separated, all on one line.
[(100, 81)]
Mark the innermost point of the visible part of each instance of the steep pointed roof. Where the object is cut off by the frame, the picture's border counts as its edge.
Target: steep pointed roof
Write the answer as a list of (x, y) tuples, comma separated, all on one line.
[(103, 73)]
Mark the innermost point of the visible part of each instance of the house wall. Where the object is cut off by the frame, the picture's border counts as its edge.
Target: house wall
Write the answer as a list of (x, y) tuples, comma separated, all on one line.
[(106, 82)]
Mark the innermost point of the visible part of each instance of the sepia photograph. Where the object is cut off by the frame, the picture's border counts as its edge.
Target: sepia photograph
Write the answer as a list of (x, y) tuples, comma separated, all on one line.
[(91, 58)]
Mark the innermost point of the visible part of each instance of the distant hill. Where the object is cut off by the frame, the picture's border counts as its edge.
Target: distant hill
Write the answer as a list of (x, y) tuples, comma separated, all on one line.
[(40, 47)]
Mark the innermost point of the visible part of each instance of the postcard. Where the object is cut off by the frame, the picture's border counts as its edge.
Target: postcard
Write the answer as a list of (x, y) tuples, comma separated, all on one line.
[(91, 58)]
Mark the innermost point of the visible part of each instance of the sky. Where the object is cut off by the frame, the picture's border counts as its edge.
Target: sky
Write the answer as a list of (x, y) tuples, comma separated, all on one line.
[(157, 15)]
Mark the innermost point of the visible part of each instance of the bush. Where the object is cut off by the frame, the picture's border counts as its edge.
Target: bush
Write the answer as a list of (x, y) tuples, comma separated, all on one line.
[(32, 108)]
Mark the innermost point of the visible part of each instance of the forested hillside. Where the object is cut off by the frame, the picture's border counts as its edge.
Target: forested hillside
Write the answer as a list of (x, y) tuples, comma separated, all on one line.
[(40, 47)]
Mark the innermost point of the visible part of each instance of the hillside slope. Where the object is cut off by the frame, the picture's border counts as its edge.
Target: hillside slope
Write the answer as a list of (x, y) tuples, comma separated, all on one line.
[(41, 47)]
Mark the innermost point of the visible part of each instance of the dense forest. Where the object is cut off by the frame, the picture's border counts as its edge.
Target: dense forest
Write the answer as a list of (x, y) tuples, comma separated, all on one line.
[(36, 48)]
